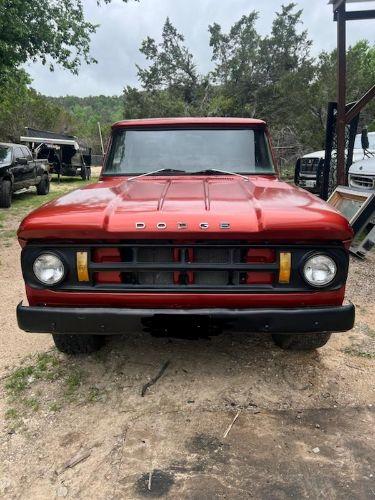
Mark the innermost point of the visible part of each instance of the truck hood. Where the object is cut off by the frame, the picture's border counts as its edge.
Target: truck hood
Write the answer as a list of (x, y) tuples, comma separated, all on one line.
[(364, 167), (357, 155), (262, 208)]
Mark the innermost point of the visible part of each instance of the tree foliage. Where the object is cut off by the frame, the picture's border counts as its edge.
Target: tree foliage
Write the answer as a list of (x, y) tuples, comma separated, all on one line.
[(273, 77), (44, 30), (51, 32), (21, 106)]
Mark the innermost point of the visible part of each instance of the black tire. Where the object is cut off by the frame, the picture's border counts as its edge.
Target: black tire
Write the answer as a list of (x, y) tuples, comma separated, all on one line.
[(5, 194), (43, 186), (301, 341), (78, 344)]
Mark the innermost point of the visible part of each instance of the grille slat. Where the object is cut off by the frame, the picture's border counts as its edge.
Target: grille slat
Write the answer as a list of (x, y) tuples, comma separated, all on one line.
[(178, 266)]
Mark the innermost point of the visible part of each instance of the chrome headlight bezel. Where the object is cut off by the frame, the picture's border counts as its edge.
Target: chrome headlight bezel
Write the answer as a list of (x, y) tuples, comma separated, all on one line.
[(331, 262), (59, 263)]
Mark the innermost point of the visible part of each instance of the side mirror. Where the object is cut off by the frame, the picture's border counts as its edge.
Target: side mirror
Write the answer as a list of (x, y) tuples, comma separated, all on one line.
[(364, 139), (21, 161)]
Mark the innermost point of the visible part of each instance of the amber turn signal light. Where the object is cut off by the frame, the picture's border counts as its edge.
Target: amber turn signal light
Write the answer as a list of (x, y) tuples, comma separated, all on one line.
[(285, 266), (82, 268)]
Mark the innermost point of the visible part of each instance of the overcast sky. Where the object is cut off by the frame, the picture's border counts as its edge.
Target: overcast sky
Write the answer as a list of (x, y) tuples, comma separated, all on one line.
[(123, 27)]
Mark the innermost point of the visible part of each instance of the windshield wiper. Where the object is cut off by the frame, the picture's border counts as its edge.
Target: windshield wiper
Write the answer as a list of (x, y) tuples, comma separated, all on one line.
[(165, 170), (227, 172)]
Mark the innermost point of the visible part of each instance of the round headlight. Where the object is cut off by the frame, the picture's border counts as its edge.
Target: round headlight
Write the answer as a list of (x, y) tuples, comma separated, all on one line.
[(48, 269), (319, 270)]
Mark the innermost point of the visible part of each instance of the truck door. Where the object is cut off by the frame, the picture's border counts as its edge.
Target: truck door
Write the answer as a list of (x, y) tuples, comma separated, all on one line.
[(31, 165), (17, 168), (23, 169)]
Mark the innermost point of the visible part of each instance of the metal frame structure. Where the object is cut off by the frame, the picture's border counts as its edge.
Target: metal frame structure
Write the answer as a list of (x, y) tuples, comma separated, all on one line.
[(341, 16), (327, 170)]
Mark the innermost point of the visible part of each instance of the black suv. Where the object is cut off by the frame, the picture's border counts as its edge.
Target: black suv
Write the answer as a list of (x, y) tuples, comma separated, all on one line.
[(18, 170)]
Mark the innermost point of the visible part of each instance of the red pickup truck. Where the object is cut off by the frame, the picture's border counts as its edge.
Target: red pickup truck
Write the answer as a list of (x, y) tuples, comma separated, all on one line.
[(188, 222)]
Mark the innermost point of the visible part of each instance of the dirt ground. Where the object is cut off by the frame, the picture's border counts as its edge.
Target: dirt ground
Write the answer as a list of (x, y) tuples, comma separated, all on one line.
[(79, 427)]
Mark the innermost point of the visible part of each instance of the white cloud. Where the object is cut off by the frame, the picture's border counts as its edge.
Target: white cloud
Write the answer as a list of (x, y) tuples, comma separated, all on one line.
[(124, 26)]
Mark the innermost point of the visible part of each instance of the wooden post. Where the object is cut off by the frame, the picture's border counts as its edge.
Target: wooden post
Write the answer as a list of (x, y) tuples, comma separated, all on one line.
[(341, 93)]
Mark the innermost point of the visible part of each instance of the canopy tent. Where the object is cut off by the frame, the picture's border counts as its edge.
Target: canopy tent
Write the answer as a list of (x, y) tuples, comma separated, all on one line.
[(42, 136)]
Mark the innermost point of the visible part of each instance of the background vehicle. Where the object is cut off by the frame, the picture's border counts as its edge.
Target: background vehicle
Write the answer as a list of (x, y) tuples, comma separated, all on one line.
[(307, 167), (362, 174), (65, 153), (18, 170), (189, 224)]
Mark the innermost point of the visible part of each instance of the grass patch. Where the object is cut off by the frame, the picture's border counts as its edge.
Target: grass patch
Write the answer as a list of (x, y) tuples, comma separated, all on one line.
[(45, 368), (96, 395), (54, 407), (359, 352), (11, 414), (47, 382), (31, 403), (7, 233), (73, 381)]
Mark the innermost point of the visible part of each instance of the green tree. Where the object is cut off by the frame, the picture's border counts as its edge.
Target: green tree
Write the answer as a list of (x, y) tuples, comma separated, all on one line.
[(236, 56), (287, 48), (44, 30), (171, 65), (171, 85), (21, 106), (360, 77)]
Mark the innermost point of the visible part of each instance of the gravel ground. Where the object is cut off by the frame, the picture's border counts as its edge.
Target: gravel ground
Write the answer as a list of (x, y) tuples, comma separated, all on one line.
[(79, 428)]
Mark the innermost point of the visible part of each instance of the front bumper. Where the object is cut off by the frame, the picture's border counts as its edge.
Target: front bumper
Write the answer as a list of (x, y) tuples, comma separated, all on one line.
[(109, 321)]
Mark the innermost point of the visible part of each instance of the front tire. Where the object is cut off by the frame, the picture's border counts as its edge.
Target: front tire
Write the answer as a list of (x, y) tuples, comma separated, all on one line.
[(5, 194), (78, 344), (43, 186), (301, 341)]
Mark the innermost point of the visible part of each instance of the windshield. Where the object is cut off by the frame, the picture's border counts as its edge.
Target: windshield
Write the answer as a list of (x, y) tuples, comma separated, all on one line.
[(191, 151), (371, 140), (5, 154)]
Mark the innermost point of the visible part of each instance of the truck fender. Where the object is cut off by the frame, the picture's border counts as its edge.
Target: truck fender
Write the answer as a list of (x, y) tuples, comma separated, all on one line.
[(8, 176), (42, 169)]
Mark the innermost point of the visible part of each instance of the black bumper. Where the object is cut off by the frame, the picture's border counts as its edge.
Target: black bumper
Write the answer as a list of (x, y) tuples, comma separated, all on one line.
[(120, 321)]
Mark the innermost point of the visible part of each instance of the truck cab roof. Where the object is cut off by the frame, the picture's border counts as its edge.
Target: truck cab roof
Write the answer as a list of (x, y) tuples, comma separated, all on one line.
[(190, 121)]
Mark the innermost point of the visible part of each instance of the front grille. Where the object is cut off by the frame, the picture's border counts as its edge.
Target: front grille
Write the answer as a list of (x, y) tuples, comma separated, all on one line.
[(192, 266), (309, 165), (362, 181)]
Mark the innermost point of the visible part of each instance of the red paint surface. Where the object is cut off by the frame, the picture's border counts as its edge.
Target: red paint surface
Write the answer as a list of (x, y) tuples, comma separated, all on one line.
[(180, 300), (189, 122), (259, 210)]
